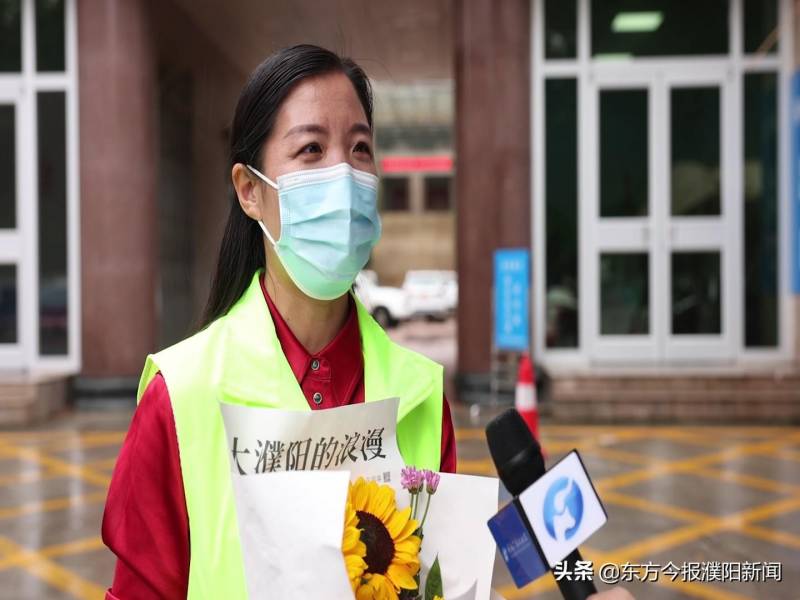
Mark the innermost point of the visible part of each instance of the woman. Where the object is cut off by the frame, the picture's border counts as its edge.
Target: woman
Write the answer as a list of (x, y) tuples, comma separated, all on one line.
[(280, 329)]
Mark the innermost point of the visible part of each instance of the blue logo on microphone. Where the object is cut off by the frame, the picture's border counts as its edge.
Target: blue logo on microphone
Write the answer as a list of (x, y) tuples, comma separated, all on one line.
[(563, 509)]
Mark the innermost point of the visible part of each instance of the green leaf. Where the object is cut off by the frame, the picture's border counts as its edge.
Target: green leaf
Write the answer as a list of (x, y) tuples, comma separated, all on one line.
[(433, 585)]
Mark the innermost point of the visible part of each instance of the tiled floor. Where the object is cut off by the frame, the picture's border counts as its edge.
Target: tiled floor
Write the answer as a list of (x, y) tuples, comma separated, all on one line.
[(678, 494), (673, 494)]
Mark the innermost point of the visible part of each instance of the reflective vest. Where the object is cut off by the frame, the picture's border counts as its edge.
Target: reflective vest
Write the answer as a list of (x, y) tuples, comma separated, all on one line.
[(239, 359)]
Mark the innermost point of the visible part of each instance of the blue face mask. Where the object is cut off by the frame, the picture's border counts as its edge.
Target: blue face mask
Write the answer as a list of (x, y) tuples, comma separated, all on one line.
[(329, 225)]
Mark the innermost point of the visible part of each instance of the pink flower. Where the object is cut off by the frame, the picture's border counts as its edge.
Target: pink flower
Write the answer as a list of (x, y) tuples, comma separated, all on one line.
[(412, 479), (431, 481)]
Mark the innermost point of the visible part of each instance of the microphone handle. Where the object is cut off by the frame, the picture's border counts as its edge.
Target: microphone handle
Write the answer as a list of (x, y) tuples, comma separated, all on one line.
[(571, 589)]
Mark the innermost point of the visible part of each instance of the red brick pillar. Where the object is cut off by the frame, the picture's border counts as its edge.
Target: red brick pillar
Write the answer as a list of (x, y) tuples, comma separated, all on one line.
[(119, 231), (493, 160)]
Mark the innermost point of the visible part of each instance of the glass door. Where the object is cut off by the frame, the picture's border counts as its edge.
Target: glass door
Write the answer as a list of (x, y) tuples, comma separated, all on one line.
[(699, 214), (660, 231), (618, 220), (12, 225)]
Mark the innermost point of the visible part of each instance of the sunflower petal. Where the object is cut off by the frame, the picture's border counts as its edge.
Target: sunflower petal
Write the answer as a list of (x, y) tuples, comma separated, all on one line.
[(383, 505), (408, 529), (401, 577), (398, 522), (359, 494)]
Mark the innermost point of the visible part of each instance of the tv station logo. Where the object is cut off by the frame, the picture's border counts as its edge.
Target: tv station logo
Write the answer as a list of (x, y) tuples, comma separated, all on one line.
[(563, 509)]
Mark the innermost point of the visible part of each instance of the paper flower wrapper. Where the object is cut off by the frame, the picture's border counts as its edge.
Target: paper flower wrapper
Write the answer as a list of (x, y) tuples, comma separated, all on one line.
[(291, 517)]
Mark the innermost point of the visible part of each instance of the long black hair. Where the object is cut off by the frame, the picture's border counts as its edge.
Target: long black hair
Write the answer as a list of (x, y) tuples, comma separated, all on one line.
[(241, 252)]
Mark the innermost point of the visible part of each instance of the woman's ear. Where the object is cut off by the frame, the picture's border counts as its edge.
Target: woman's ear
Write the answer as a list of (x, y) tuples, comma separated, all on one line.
[(248, 191)]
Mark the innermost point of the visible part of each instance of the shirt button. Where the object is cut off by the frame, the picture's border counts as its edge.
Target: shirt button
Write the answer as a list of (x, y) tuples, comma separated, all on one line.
[(314, 364), (317, 398)]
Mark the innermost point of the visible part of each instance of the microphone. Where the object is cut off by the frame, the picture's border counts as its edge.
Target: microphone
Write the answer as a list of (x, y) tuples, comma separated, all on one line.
[(519, 462)]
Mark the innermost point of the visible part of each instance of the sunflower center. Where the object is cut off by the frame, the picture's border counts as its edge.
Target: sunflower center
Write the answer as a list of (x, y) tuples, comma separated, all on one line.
[(380, 547)]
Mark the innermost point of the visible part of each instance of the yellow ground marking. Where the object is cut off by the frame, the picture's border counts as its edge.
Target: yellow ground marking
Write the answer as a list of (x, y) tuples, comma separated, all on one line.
[(94, 440), (686, 465), (700, 524), (694, 438), (581, 435), (39, 506), (608, 437), (89, 544), (621, 456), (730, 476), (103, 463), (702, 430), (681, 514), (585, 430), (666, 510), (58, 465), (602, 436), (753, 481), (711, 525), (68, 549), (787, 454), (20, 437), (25, 477), (559, 447), (772, 536), (49, 434), (483, 466), (51, 572), (470, 434)]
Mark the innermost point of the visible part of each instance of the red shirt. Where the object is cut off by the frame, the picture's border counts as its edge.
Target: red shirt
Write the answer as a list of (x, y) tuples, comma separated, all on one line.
[(145, 521)]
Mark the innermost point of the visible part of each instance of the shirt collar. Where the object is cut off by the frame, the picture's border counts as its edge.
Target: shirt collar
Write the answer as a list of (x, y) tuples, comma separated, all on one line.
[(343, 355)]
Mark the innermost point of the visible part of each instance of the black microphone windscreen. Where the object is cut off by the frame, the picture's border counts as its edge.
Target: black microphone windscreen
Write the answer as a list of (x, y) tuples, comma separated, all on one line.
[(516, 454)]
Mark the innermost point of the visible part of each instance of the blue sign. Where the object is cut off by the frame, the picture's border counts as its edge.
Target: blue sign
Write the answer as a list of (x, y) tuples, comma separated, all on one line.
[(516, 545), (511, 293), (794, 254), (563, 509)]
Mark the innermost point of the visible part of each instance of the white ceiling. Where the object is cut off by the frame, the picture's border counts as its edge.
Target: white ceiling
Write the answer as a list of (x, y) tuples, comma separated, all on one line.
[(394, 41)]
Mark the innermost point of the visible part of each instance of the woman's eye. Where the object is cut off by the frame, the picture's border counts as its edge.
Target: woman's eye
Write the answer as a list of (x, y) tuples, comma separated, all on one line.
[(363, 147), (311, 148)]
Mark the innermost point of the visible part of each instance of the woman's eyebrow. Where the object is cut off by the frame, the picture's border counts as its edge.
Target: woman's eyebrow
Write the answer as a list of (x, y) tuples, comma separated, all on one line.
[(315, 128), (307, 128), (361, 128)]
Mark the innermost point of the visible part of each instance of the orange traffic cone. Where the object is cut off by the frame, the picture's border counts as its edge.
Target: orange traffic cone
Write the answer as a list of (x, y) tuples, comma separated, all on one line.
[(525, 395)]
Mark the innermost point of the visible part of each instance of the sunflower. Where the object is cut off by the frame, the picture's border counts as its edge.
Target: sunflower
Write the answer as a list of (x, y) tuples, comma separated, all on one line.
[(392, 555), (353, 548)]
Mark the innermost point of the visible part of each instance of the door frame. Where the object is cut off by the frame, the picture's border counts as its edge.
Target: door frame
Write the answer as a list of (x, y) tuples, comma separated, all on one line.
[(581, 68), (24, 86), (14, 242), (723, 233), (658, 233), (615, 234)]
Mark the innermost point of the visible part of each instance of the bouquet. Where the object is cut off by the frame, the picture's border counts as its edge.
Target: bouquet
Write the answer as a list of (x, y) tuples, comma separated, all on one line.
[(381, 543), (294, 476)]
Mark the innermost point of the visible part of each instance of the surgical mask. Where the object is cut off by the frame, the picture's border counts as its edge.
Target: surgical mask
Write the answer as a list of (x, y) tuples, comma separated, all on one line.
[(329, 225)]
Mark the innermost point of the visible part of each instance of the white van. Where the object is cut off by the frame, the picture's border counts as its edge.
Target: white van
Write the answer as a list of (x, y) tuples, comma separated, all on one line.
[(431, 293), (388, 305)]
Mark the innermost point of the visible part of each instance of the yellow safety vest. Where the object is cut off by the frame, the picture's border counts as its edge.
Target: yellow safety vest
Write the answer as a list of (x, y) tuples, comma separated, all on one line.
[(239, 359)]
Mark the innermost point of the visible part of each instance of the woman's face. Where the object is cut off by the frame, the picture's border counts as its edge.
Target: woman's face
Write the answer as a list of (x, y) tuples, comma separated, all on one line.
[(321, 123)]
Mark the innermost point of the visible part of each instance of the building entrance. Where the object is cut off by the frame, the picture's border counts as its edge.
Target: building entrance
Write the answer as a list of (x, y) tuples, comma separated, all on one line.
[(660, 225), (660, 177)]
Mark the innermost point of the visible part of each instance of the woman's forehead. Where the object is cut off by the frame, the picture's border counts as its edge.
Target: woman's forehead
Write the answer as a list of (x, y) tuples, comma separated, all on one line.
[(328, 100)]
